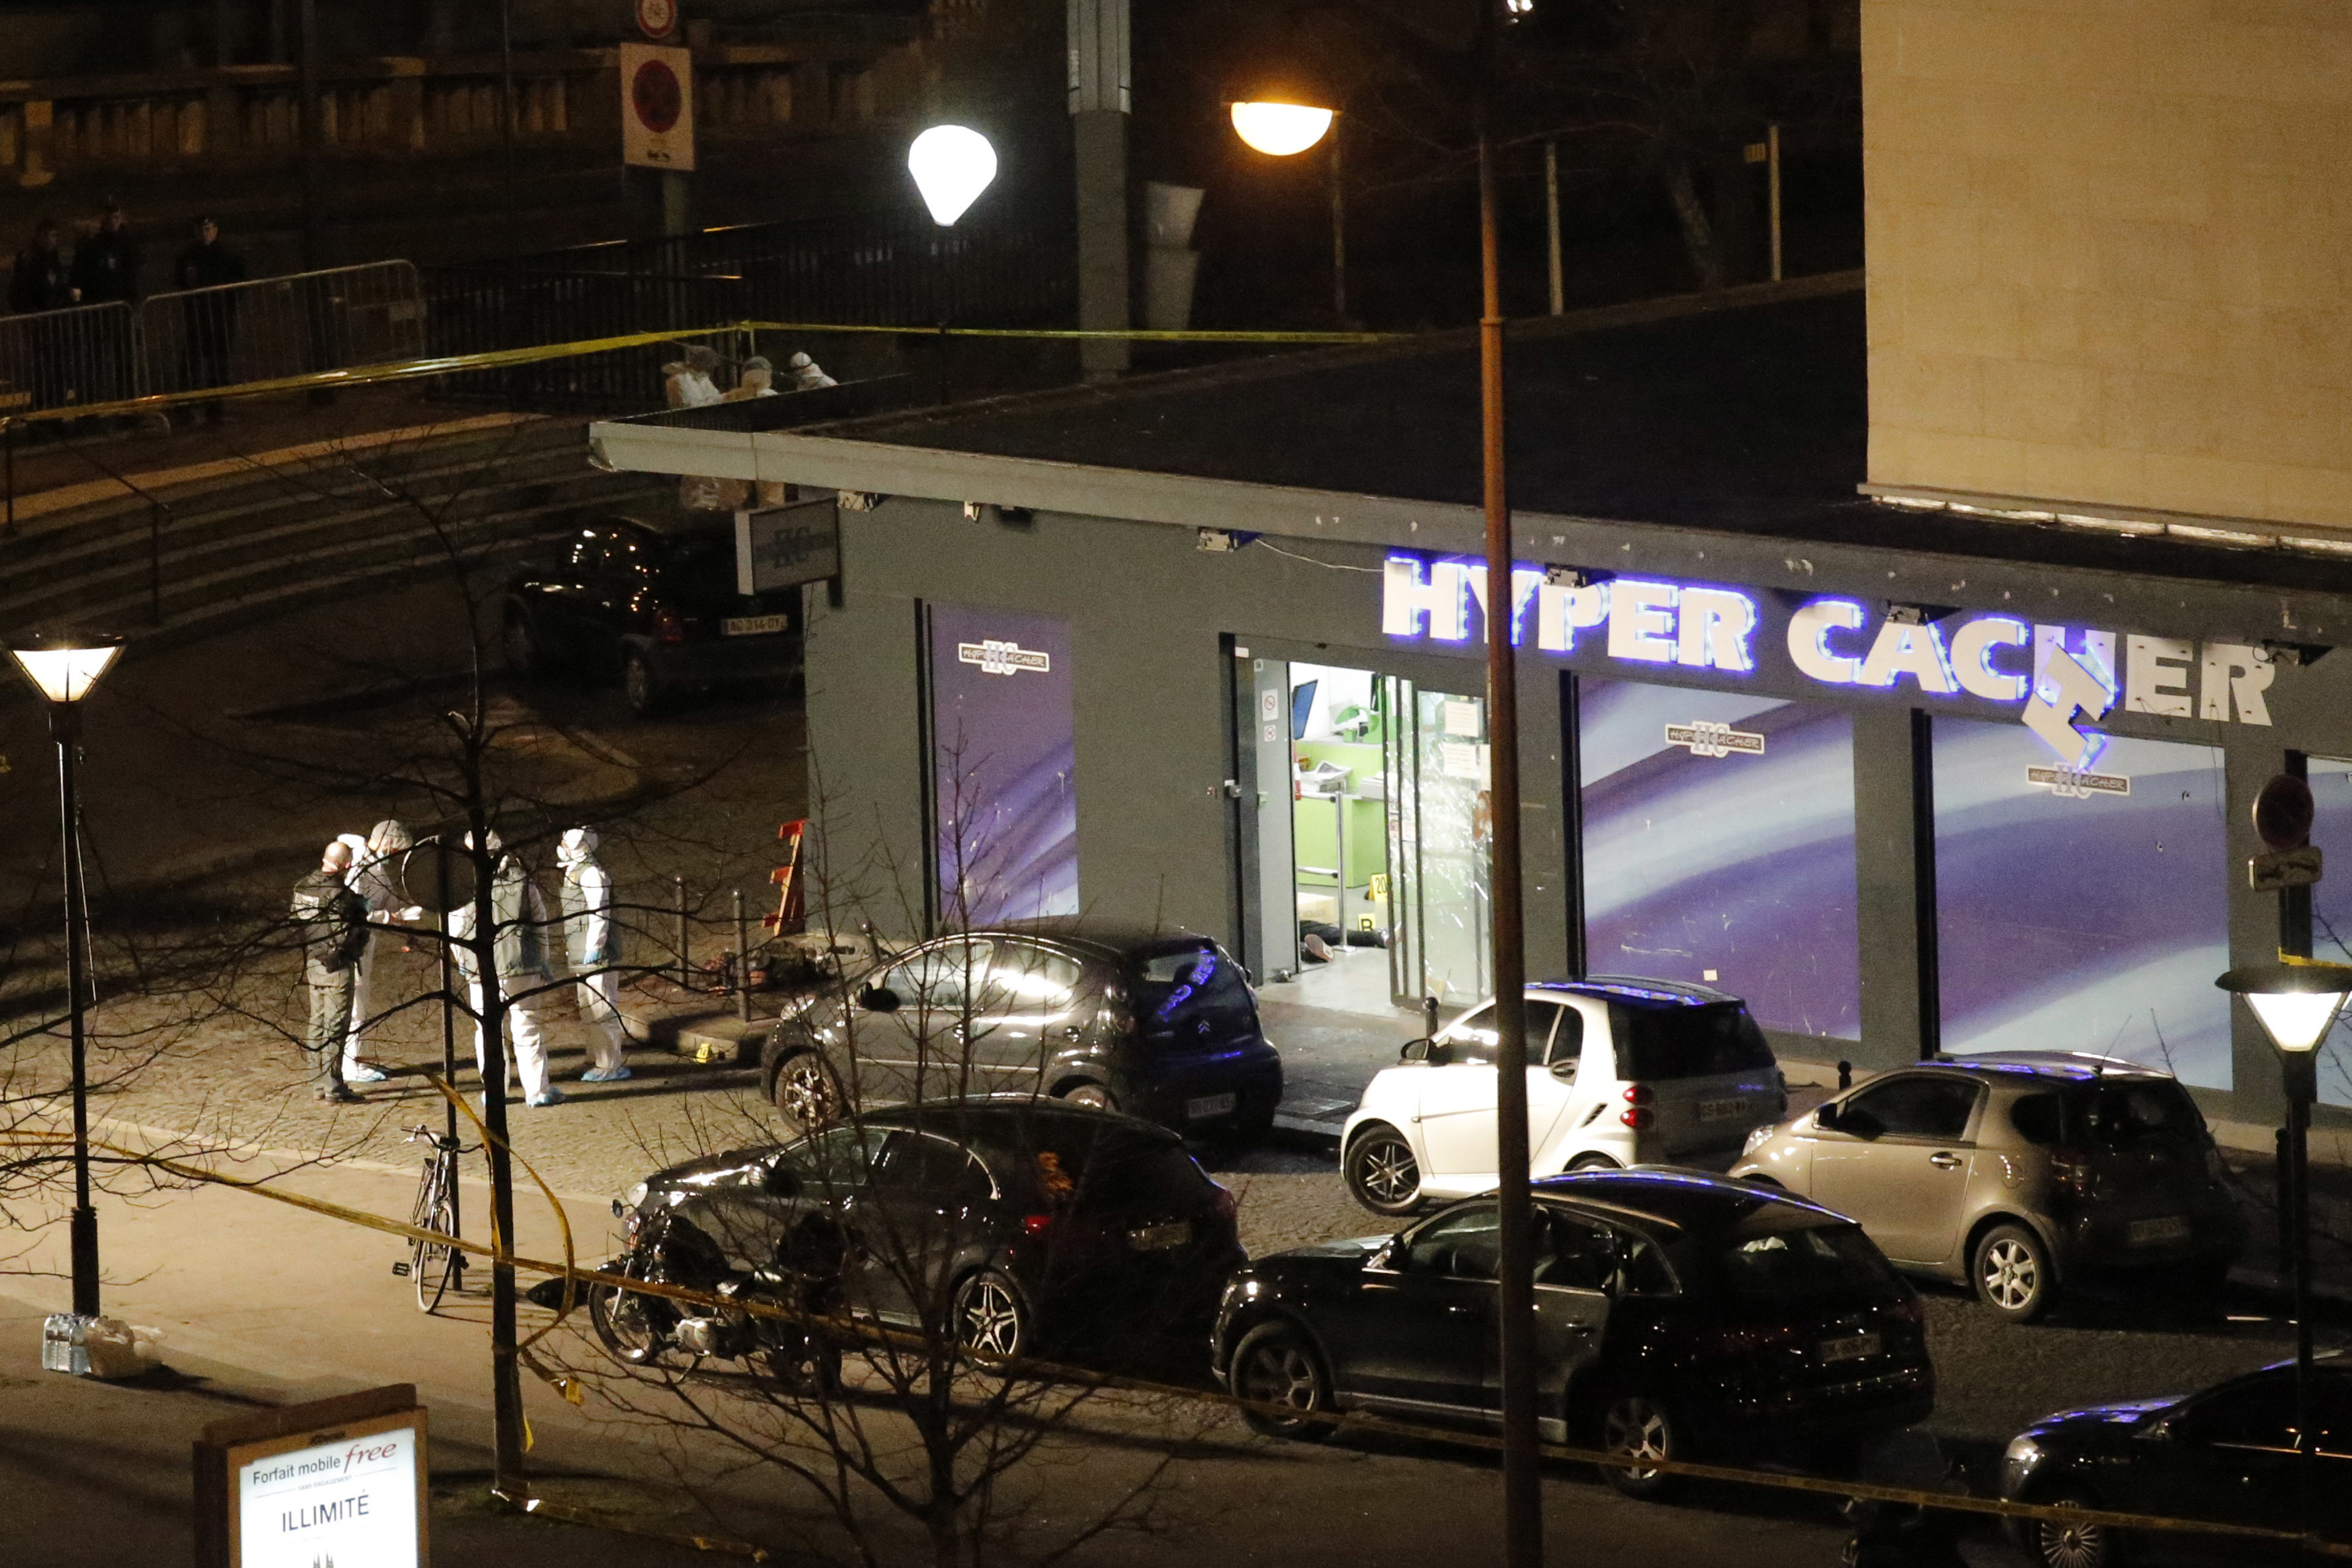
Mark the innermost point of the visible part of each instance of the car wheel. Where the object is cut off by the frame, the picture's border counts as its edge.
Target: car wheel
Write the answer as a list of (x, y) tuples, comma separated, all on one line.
[(804, 1091), (1275, 1367), (1639, 1426), (2010, 1270), (525, 651), (2064, 1544), (1093, 1096), (1381, 1172), (1594, 1163), (646, 694), (991, 1317)]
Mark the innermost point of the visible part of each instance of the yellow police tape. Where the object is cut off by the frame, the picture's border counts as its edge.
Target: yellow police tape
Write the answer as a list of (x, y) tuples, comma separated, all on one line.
[(852, 1330), (502, 359)]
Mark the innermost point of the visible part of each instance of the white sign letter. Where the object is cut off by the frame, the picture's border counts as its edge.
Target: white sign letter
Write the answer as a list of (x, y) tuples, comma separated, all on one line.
[(2155, 675), (2233, 669)]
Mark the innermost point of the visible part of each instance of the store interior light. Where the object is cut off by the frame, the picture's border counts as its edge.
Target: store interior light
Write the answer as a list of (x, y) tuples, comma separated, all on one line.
[(952, 164), (2296, 1003), (64, 669), (1280, 130)]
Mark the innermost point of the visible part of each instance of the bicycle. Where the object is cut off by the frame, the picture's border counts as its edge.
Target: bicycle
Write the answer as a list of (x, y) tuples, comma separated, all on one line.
[(434, 1265)]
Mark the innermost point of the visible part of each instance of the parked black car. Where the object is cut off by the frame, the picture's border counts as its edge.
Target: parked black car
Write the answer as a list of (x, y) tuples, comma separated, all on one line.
[(652, 602), (1679, 1315), (2228, 1455), (1160, 1027), (1025, 1225)]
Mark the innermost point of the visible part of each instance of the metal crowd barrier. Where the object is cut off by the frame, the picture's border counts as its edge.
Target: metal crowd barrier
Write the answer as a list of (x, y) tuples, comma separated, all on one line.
[(272, 327), (58, 359)]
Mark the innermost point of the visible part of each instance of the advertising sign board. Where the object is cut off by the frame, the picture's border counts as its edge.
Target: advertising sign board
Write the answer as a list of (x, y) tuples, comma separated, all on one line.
[(786, 546), (656, 107), (338, 1481)]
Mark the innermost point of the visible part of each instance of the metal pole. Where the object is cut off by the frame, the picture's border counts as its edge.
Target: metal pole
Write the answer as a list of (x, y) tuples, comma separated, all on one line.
[(1339, 226), (1515, 1293), (448, 1017), (65, 727), (685, 963), (507, 1478), (155, 563), (2300, 1072), (743, 960), (507, 102), (1772, 167), (1552, 225), (307, 112)]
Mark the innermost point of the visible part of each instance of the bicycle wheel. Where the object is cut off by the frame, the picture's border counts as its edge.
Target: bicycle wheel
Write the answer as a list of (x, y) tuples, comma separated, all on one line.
[(433, 1265)]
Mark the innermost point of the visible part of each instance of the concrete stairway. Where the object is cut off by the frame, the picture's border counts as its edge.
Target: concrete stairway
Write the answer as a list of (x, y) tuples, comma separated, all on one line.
[(234, 539)]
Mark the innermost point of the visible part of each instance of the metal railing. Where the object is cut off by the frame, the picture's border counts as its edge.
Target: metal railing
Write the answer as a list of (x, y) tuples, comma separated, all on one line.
[(57, 359), (289, 325)]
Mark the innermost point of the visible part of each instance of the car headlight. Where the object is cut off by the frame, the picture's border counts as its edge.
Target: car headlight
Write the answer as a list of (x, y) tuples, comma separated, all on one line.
[(1757, 1138), (2019, 1461)]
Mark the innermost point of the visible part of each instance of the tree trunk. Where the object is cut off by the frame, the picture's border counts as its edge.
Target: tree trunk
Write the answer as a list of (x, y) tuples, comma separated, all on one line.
[(1698, 233)]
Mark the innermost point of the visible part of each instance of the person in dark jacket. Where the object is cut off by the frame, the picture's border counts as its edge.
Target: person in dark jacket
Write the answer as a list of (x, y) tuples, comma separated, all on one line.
[(41, 355), (333, 921), (106, 272), (106, 265), (42, 281), (208, 322)]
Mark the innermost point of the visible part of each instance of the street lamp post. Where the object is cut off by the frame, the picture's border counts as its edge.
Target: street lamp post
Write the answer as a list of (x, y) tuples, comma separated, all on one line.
[(1514, 1270), (63, 670), (2296, 1002)]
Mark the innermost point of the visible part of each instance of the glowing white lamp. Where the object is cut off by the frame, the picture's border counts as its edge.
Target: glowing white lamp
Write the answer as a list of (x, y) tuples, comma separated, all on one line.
[(2296, 1003), (1280, 130), (952, 165), (64, 669)]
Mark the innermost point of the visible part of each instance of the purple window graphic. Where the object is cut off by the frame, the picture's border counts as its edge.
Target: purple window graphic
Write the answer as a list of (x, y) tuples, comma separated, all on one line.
[(1718, 848), (1005, 755), (2095, 920)]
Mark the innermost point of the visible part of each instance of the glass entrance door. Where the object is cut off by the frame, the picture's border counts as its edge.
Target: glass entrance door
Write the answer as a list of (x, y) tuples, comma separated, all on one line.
[(1440, 822)]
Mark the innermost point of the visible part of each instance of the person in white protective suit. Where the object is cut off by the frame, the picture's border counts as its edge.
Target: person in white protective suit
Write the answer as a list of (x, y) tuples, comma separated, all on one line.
[(518, 926), (591, 944), (375, 877), (807, 374)]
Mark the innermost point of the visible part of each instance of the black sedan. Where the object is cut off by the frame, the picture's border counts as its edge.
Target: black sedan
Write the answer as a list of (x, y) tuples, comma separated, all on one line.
[(1160, 1027), (652, 601), (2228, 1455), (1679, 1315), (1023, 1225)]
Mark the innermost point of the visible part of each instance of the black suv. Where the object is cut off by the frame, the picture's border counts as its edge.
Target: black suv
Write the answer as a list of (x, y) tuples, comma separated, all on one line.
[(1679, 1315), (1163, 1027), (650, 600)]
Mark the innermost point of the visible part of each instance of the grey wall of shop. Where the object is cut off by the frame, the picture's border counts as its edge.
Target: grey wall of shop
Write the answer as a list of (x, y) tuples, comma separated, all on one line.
[(1155, 622)]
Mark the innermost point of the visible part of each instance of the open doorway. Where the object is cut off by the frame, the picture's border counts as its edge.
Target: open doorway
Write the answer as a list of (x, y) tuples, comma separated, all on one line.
[(1372, 864)]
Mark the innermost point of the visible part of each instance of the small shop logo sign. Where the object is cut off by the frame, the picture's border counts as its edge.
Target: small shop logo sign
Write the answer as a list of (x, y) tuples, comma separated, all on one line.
[(1002, 657), (1706, 740), (2069, 784)]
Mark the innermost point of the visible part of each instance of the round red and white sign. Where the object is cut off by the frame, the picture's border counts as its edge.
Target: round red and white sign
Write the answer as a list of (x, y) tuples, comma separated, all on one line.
[(656, 18), (654, 94)]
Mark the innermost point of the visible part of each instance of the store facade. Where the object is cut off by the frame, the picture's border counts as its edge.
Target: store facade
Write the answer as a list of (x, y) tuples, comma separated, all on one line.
[(1898, 800)]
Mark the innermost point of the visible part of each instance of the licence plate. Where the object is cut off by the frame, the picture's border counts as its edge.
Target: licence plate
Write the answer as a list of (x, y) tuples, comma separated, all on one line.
[(2149, 1232), (1210, 1105), (1728, 1110), (1160, 1237), (752, 625), (1855, 1347)]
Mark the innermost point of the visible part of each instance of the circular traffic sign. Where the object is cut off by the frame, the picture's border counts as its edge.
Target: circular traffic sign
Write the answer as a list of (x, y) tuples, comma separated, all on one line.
[(438, 876), (657, 97), (656, 18), (2283, 813)]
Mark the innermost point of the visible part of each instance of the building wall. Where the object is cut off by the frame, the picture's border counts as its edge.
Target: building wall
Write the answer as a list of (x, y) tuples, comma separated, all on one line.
[(2109, 243)]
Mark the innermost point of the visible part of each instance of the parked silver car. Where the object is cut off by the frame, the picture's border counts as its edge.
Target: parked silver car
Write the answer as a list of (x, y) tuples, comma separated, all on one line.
[(2016, 1173)]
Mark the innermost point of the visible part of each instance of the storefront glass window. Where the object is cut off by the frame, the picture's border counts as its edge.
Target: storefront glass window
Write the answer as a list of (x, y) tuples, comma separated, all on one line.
[(2094, 921), (1718, 848), (1004, 766), (2331, 907)]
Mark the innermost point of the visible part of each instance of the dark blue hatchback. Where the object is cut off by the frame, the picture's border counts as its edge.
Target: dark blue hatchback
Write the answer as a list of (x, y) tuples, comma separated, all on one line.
[(1162, 1026)]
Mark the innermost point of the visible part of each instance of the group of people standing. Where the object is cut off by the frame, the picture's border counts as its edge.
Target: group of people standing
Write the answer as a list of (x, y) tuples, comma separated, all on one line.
[(346, 912), (690, 380)]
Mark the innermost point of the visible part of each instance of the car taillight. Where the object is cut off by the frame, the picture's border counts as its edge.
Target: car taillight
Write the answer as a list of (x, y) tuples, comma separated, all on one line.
[(1639, 1094), (1035, 1224), (2070, 1172), (1638, 1114), (1224, 1204), (1910, 1310), (667, 628)]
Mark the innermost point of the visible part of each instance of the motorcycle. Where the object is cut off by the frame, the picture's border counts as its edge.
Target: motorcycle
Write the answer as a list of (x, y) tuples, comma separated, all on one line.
[(642, 1328)]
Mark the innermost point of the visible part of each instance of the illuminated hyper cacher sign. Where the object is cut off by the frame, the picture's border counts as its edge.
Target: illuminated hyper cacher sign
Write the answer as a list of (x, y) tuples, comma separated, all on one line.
[(2066, 671)]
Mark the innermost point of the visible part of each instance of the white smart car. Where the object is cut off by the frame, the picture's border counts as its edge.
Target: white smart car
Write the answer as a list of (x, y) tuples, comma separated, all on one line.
[(1619, 1072)]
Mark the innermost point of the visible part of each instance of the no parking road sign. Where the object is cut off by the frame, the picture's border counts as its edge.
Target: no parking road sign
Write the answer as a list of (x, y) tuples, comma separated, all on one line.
[(656, 107)]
